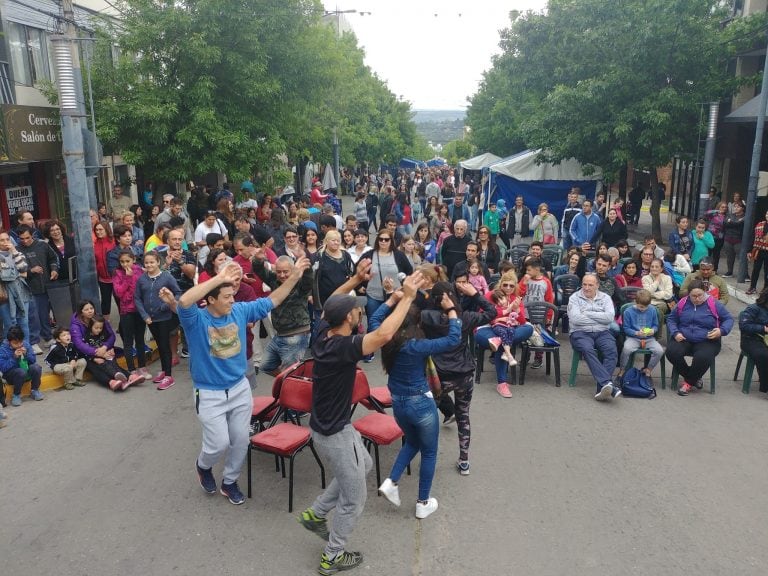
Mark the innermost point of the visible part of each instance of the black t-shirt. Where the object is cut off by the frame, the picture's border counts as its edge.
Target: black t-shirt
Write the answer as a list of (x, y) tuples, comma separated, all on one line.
[(333, 375)]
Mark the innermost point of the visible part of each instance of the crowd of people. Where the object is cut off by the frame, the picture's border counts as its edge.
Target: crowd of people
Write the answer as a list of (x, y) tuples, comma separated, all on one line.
[(417, 272)]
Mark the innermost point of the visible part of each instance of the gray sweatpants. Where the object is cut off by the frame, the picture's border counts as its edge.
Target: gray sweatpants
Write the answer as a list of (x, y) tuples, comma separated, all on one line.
[(225, 416), (632, 344), (350, 462)]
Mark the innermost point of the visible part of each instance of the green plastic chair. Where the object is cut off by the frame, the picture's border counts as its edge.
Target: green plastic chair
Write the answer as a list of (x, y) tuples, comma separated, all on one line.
[(646, 353), (749, 370), (676, 377)]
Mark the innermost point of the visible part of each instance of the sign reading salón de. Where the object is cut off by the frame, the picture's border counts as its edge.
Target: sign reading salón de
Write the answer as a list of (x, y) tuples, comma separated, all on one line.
[(31, 133)]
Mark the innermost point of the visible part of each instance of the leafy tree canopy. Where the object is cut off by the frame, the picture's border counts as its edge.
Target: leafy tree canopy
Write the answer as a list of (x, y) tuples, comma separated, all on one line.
[(185, 87), (609, 82)]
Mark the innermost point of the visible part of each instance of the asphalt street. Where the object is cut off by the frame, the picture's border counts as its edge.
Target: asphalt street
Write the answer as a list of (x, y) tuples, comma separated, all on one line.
[(101, 484)]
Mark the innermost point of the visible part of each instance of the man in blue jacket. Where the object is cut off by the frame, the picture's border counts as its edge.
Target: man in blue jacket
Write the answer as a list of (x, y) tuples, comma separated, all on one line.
[(585, 227)]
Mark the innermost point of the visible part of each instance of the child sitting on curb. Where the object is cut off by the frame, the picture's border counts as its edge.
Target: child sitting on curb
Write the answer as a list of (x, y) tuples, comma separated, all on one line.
[(102, 366), (64, 359), (18, 364)]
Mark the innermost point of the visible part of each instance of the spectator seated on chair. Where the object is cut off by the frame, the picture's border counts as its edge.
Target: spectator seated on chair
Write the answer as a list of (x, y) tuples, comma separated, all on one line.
[(590, 313), (484, 334), (536, 287), (18, 363), (696, 326), (640, 324), (753, 324)]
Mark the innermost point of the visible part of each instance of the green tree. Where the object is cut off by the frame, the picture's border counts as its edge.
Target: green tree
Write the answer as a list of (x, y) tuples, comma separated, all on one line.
[(611, 83), (457, 150), (229, 85)]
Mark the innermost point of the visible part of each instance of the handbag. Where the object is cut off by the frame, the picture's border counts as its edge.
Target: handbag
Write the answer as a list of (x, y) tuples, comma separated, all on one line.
[(536, 338), (3, 293), (432, 378), (635, 384)]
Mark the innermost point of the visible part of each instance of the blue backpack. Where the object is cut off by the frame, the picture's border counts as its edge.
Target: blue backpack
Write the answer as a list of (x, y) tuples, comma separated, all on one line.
[(635, 384)]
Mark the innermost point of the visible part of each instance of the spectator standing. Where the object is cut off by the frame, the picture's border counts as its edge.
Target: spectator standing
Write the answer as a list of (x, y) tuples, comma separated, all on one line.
[(759, 255), (519, 222), (733, 228), (42, 269), (572, 208)]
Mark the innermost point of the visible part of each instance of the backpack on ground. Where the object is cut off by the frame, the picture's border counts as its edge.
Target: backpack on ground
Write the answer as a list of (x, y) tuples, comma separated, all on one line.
[(635, 384)]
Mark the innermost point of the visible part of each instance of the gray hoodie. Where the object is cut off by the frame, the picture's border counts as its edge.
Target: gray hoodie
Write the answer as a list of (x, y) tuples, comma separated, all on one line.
[(587, 315)]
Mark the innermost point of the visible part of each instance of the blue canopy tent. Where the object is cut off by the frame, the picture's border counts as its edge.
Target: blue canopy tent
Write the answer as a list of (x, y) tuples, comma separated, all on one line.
[(520, 175), (436, 162), (411, 164)]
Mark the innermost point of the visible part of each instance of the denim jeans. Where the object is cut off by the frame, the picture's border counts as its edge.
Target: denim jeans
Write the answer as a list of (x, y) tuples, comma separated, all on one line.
[(588, 344), (484, 333), (284, 351), (22, 319), (417, 418)]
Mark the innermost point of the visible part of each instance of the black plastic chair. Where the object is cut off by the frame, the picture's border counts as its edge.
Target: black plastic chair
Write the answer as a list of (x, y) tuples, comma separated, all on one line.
[(514, 253), (553, 254), (537, 315), (630, 292), (564, 286)]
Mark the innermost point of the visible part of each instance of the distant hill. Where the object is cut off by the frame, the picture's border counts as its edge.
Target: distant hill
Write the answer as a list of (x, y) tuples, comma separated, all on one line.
[(440, 126), (421, 116)]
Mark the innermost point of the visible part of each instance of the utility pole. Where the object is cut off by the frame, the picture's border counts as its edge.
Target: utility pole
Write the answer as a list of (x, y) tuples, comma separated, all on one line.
[(70, 31), (754, 174), (72, 123), (709, 159)]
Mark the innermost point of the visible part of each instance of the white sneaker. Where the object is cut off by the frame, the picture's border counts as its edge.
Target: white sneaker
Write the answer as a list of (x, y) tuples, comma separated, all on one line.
[(36, 349), (605, 393), (424, 510), (390, 491)]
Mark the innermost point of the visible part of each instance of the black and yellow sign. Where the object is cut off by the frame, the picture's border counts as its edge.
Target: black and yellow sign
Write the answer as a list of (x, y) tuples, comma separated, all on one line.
[(30, 133)]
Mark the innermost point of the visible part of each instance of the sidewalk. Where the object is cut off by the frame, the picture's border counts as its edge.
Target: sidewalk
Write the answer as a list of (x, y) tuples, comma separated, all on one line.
[(643, 229)]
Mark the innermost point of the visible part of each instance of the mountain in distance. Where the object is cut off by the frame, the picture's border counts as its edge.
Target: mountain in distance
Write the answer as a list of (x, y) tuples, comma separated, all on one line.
[(440, 126), (422, 116)]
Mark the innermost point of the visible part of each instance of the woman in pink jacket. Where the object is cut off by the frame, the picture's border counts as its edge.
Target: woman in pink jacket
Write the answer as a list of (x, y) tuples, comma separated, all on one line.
[(132, 327)]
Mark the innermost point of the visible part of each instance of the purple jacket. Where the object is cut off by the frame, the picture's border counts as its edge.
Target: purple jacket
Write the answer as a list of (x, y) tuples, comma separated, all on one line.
[(79, 332)]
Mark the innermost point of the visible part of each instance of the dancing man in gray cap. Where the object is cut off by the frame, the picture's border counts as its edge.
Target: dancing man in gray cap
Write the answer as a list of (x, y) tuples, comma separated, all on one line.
[(336, 352)]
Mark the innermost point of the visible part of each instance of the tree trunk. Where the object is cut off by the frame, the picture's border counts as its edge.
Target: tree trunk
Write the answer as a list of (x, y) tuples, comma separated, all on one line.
[(655, 207)]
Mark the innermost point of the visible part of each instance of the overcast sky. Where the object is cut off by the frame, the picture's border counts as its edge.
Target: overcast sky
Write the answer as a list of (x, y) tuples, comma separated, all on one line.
[(432, 53)]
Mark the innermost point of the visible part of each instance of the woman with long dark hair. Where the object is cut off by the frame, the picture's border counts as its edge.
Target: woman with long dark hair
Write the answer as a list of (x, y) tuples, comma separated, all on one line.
[(413, 405), (387, 264), (487, 250), (102, 245)]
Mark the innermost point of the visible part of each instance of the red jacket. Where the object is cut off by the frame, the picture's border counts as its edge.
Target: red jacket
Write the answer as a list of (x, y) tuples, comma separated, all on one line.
[(100, 248)]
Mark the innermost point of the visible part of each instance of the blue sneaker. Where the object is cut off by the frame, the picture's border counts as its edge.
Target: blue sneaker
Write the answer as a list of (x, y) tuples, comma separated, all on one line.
[(232, 492), (207, 481), (16, 400), (37, 395)]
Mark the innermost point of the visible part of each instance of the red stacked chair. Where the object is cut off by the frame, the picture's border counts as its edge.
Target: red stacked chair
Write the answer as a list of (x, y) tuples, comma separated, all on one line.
[(287, 439)]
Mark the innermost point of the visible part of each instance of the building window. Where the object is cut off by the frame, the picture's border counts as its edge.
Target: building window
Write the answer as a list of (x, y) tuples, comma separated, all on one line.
[(29, 54)]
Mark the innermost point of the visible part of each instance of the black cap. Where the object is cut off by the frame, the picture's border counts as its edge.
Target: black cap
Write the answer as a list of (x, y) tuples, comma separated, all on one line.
[(337, 307)]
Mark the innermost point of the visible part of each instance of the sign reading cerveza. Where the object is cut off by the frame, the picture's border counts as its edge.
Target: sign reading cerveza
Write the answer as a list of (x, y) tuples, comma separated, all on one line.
[(31, 133)]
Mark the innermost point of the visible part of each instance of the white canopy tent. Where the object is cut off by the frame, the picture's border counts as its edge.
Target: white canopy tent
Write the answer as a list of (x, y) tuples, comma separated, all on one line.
[(479, 162), (523, 166)]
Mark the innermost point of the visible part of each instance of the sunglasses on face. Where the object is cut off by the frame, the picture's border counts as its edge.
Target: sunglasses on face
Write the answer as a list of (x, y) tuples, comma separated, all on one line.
[(507, 285), (385, 239)]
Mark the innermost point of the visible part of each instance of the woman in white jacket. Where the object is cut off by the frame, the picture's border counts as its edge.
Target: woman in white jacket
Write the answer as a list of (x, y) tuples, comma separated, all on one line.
[(659, 285)]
